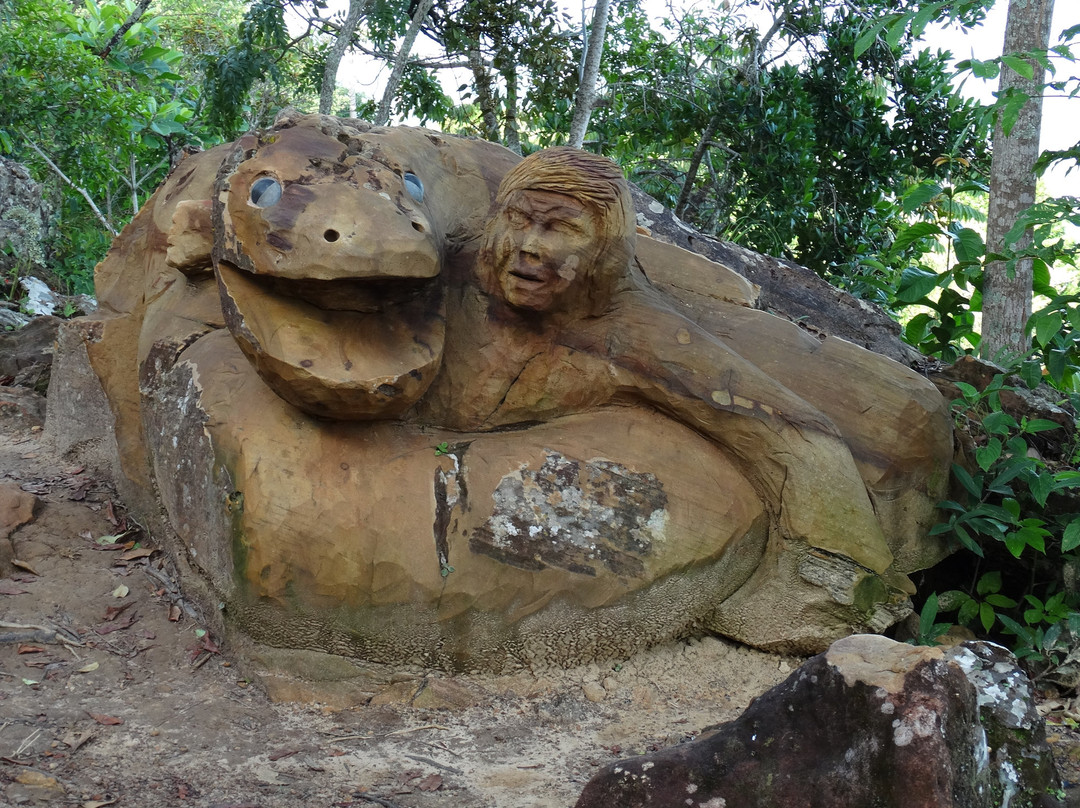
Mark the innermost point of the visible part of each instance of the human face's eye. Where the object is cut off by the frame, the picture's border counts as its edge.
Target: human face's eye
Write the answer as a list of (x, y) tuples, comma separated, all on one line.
[(517, 217)]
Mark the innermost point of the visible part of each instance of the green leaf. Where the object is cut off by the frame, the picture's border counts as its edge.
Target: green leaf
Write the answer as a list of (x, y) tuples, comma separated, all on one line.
[(920, 195), (970, 485), (987, 455), (1015, 543), (986, 616), (999, 423), (1011, 106), (1031, 373), (989, 583), (968, 611), (968, 245), (1055, 364), (1070, 539), (1001, 602), (915, 284), (912, 233), (1021, 66), (1047, 326), (1040, 425), (868, 37), (1041, 487)]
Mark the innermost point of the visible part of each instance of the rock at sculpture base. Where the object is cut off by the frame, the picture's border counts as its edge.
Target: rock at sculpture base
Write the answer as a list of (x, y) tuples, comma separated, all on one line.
[(871, 722)]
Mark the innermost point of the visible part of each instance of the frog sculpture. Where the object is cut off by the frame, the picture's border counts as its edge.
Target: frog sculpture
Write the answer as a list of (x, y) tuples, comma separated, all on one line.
[(406, 397)]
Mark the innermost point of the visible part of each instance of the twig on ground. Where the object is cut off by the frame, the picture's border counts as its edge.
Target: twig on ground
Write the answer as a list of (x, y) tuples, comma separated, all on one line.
[(435, 763), (377, 800), (42, 634)]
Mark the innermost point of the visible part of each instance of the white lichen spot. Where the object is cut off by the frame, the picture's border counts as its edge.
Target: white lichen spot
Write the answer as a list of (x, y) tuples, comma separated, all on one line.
[(655, 207), (1010, 783), (647, 765), (888, 708), (691, 788), (920, 722), (715, 802), (534, 529), (682, 336)]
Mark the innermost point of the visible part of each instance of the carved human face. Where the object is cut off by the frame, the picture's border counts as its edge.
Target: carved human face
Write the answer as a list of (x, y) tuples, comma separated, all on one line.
[(544, 244)]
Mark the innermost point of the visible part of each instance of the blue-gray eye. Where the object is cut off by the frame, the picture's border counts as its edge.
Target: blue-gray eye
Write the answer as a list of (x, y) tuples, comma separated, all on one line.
[(265, 191), (414, 186)]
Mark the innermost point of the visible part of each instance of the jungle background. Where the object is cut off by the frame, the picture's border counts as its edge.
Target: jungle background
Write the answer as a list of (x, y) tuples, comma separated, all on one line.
[(827, 133)]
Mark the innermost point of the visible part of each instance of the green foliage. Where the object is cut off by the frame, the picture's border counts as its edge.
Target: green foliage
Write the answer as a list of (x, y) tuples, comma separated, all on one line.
[(1019, 514), (107, 109)]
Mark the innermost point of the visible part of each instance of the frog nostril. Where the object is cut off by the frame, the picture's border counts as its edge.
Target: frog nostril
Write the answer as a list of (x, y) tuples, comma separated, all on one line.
[(331, 235)]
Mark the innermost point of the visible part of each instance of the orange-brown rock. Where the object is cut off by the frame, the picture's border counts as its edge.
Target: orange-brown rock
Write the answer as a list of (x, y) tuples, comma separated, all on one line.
[(371, 435)]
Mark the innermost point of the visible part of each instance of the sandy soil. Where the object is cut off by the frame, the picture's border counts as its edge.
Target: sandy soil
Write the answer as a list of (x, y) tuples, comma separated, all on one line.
[(113, 693)]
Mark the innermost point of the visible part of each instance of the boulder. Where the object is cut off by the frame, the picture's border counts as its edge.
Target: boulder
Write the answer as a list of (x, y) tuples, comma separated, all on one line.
[(871, 722)]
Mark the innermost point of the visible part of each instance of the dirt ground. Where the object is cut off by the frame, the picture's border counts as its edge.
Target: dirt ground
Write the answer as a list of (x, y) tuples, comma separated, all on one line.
[(112, 692)]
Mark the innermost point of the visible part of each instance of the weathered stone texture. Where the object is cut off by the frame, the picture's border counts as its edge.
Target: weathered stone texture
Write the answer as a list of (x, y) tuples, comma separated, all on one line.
[(871, 722)]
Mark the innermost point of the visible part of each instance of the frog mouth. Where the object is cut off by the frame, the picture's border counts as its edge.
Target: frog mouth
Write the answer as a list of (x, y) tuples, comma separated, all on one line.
[(343, 349)]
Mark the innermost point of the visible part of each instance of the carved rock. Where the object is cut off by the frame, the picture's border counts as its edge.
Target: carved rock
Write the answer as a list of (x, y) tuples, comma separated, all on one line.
[(367, 441), (870, 722)]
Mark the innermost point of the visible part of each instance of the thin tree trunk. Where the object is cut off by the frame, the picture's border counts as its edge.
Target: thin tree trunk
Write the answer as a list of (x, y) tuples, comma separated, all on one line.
[(511, 134), (133, 18), (585, 98), (337, 50), (1007, 300), (485, 96), (423, 8)]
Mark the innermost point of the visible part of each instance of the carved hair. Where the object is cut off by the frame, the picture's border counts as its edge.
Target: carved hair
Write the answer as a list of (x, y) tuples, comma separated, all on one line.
[(598, 184)]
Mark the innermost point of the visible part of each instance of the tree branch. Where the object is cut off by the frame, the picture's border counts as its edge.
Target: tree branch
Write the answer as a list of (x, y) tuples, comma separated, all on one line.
[(133, 18), (82, 192)]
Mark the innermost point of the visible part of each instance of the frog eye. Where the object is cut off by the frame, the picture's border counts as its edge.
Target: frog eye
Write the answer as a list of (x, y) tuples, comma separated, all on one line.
[(414, 186), (265, 191)]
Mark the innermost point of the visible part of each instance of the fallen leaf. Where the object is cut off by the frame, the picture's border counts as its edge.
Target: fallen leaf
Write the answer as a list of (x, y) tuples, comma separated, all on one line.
[(433, 782), (282, 753), (86, 534), (98, 803), (120, 591), (75, 470), (30, 682), (28, 456), (112, 612), (119, 625), (25, 566), (110, 514), (138, 552), (93, 666), (107, 720), (108, 538), (174, 613), (8, 587), (27, 648), (75, 740)]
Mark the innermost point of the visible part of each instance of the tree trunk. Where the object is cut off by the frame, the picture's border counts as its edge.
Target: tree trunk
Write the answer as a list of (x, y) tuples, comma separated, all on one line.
[(485, 95), (585, 97), (1007, 300), (382, 117), (337, 50), (511, 133)]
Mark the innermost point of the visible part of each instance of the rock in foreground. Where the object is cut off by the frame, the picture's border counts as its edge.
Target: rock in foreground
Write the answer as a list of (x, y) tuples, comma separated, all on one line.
[(871, 722)]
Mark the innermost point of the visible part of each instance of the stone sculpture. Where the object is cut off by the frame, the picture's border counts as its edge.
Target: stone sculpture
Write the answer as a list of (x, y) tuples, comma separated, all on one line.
[(402, 396)]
